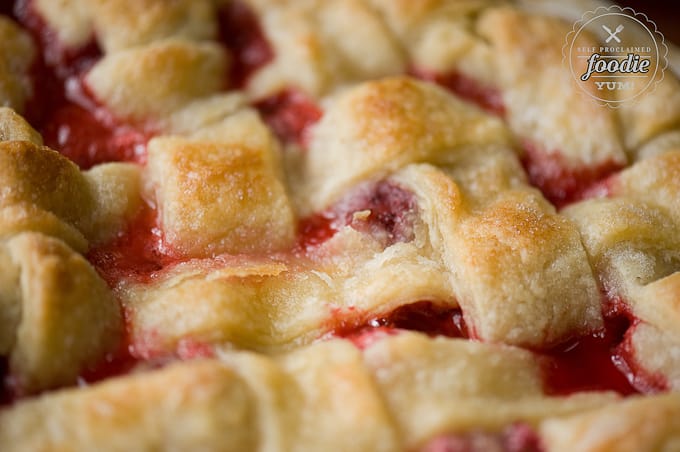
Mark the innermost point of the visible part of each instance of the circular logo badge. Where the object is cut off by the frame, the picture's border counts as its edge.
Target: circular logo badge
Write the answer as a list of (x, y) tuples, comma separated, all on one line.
[(615, 54)]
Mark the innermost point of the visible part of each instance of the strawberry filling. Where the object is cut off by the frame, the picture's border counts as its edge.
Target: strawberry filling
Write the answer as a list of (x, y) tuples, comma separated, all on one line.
[(142, 354), (90, 136), (423, 316), (562, 183), (290, 114), (63, 109), (602, 361), (241, 34), (384, 210), (485, 97), (137, 255), (585, 363), (114, 364), (316, 229), (140, 253)]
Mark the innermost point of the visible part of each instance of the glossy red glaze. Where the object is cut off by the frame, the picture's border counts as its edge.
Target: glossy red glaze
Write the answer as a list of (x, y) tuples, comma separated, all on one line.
[(391, 209), (514, 438), (423, 316), (136, 255), (562, 183), (241, 34), (290, 113), (486, 97)]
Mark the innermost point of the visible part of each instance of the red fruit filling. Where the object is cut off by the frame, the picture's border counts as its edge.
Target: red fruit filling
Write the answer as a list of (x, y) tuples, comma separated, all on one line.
[(585, 363), (424, 316), (148, 346), (140, 253), (487, 98), (601, 361), (129, 358), (134, 355), (515, 438), (289, 113), (90, 136), (383, 209), (241, 34), (62, 108), (316, 229), (113, 364), (137, 255), (562, 183)]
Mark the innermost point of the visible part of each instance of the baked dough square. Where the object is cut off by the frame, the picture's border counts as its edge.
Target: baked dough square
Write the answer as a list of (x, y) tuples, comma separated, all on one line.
[(218, 198)]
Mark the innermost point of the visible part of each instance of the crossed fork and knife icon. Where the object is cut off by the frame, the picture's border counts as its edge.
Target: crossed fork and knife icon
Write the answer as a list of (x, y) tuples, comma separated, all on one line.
[(612, 34)]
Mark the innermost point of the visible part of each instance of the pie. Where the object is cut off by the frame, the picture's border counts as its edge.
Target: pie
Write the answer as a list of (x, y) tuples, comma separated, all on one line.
[(330, 225)]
